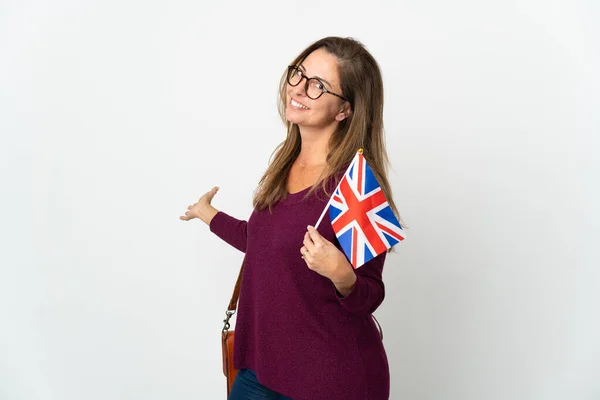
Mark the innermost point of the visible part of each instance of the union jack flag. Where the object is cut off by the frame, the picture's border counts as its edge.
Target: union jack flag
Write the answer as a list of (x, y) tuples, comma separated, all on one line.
[(362, 219)]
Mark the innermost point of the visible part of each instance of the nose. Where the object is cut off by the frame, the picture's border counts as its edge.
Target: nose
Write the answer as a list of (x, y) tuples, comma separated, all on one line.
[(300, 88)]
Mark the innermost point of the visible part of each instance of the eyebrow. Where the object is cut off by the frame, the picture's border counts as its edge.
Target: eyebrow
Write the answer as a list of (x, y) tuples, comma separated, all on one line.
[(318, 77)]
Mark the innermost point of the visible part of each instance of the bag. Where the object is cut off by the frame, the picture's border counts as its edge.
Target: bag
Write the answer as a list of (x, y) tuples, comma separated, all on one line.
[(227, 336), (228, 369)]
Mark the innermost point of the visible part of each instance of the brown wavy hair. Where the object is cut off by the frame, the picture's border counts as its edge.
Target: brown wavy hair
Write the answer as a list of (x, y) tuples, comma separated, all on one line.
[(362, 85)]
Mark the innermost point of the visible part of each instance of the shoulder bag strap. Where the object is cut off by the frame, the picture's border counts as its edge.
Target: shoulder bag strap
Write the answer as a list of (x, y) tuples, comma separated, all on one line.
[(232, 307)]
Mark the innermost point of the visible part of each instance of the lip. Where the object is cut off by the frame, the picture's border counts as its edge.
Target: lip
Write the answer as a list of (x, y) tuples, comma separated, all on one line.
[(298, 108)]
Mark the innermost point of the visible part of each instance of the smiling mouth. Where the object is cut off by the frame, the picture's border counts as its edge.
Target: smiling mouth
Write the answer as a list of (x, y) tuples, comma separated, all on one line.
[(295, 104)]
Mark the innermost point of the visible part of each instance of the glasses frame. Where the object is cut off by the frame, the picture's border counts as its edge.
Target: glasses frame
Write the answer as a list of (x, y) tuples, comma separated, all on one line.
[(302, 76)]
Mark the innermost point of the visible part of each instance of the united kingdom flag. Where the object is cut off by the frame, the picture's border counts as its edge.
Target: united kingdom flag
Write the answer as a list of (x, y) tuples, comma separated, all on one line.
[(362, 219)]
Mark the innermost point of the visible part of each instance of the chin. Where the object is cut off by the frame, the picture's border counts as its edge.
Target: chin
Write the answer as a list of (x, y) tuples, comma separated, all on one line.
[(294, 119)]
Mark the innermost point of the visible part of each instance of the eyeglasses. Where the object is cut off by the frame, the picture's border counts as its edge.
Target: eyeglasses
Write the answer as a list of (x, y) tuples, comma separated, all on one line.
[(313, 87)]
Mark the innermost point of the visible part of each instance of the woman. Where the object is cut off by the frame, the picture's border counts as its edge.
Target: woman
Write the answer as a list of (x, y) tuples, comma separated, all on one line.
[(304, 328)]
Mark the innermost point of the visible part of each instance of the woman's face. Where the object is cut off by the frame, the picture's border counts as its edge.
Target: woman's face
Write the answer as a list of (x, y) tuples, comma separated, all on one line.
[(324, 111)]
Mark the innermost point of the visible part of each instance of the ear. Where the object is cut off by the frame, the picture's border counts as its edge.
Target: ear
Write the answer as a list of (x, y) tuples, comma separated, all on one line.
[(344, 113)]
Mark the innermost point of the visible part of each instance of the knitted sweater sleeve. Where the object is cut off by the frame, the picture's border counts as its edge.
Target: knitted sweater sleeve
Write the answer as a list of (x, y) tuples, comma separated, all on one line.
[(231, 230), (368, 291)]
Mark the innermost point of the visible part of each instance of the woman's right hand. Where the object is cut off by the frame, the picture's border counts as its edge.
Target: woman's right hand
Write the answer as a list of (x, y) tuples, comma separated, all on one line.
[(202, 208)]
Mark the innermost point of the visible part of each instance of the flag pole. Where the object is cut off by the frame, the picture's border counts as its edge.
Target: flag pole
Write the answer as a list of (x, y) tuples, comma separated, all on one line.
[(323, 213), (360, 151)]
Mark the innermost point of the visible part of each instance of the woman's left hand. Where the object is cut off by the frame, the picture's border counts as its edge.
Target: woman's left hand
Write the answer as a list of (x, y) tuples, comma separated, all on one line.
[(327, 260)]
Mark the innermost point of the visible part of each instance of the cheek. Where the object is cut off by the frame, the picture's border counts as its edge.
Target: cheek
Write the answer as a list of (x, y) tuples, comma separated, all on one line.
[(332, 109)]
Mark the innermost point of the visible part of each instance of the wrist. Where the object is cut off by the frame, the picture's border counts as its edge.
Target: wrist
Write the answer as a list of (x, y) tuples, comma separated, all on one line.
[(208, 216), (345, 283)]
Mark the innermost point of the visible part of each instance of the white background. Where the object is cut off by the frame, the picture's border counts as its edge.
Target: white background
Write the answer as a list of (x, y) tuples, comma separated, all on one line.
[(115, 115)]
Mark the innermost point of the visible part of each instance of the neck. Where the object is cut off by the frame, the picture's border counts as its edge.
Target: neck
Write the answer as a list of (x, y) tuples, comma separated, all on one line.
[(313, 151)]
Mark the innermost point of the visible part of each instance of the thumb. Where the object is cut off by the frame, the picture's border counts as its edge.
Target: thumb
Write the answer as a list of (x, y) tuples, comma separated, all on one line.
[(211, 193), (314, 234)]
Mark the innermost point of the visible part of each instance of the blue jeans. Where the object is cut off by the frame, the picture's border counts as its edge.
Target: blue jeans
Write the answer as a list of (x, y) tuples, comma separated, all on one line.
[(247, 387)]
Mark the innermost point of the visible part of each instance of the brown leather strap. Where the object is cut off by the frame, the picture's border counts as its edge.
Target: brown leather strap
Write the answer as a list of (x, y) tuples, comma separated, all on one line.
[(236, 291)]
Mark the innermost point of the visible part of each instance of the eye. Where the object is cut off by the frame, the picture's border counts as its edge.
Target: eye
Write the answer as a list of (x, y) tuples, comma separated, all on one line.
[(319, 85)]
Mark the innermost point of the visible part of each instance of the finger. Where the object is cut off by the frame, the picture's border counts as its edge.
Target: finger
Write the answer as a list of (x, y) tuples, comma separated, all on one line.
[(213, 191), (190, 207), (306, 256), (308, 238), (303, 251), (210, 194), (308, 243), (315, 235)]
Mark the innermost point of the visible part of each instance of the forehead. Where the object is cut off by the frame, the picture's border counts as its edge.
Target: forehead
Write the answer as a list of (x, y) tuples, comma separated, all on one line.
[(322, 64)]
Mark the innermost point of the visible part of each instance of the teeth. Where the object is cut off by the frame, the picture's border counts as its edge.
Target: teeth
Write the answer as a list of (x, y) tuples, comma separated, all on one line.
[(296, 104)]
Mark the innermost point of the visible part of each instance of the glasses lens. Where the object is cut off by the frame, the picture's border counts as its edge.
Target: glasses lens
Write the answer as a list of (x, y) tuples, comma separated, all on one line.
[(294, 76), (315, 88)]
